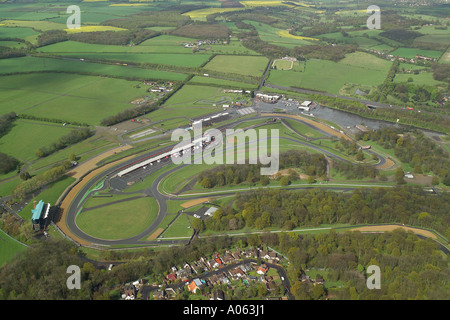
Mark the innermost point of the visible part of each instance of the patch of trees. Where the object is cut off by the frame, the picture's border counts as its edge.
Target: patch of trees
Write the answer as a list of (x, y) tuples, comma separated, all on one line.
[(319, 29), (252, 41), (400, 35), (441, 72), (411, 268), (114, 37), (288, 209), (129, 114), (7, 52), (355, 171), (398, 23), (310, 163), (149, 19), (51, 36), (326, 52), (7, 163), (38, 118), (6, 121), (410, 92), (414, 148), (74, 136), (202, 31), (36, 182)]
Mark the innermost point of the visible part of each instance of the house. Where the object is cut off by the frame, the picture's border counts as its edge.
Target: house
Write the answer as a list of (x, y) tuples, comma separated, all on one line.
[(218, 261), (273, 257), (262, 269), (246, 267), (212, 264), (195, 285), (184, 273), (263, 254), (228, 258), (252, 253), (236, 273), (172, 277), (237, 254)]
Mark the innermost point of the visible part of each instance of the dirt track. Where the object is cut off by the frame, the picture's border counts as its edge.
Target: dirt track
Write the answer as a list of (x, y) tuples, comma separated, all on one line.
[(393, 227), (316, 124), (192, 203), (74, 191), (85, 167)]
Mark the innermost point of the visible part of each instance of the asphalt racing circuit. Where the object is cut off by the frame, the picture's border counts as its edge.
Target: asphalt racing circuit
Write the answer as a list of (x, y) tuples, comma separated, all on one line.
[(110, 179)]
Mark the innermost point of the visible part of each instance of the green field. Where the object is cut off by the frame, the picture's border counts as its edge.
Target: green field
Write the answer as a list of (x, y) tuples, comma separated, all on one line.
[(50, 194), (54, 95), (9, 247), (244, 65), (172, 59), (193, 101), (34, 64), (283, 64), (222, 82), (26, 137), (123, 220), (445, 57), (323, 75), (159, 44), (277, 36), (181, 227), (412, 52), (423, 78)]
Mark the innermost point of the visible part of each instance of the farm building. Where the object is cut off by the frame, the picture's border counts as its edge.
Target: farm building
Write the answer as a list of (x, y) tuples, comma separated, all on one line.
[(39, 214), (306, 105), (268, 98), (361, 128)]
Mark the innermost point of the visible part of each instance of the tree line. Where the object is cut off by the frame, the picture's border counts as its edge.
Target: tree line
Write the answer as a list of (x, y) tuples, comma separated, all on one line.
[(7, 162), (415, 148), (99, 37), (38, 181), (226, 175), (74, 136), (288, 209)]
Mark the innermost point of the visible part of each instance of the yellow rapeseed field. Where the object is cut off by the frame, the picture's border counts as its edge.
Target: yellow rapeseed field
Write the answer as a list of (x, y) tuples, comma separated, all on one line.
[(94, 28), (286, 34), (202, 13)]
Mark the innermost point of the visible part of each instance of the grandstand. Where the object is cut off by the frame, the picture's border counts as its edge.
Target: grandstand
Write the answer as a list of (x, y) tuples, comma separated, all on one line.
[(39, 214)]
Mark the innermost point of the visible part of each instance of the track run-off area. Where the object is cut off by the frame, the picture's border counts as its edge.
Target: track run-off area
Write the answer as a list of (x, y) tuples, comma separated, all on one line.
[(105, 180)]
